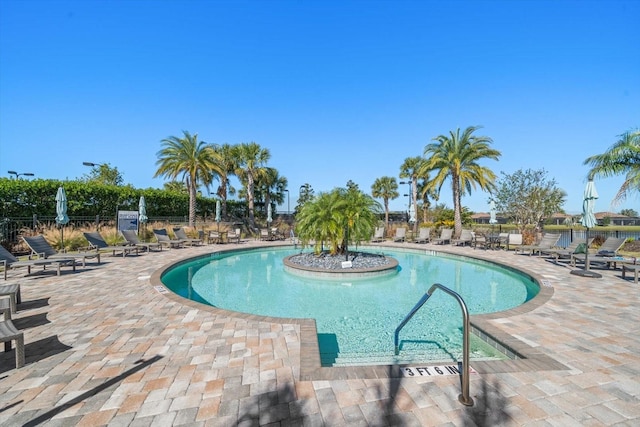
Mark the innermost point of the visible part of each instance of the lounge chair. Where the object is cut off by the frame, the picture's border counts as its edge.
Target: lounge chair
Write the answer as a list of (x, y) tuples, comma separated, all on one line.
[(514, 240), (163, 239), (8, 261), (40, 248), (548, 241), (132, 238), (445, 236), (607, 253), (182, 235), (400, 236), (424, 235), (466, 237), (559, 253), (378, 235), (99, 244)]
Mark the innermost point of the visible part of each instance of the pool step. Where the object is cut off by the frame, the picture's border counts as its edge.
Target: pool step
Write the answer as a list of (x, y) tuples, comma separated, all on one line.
[(404, 358), (384, 358)]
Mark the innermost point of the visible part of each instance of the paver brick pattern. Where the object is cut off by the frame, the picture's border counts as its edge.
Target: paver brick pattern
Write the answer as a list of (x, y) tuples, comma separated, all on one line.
[(104, 347)]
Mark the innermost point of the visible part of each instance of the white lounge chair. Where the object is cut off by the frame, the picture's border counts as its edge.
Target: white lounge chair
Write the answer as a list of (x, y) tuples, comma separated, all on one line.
[(400, 236), (445, 236)]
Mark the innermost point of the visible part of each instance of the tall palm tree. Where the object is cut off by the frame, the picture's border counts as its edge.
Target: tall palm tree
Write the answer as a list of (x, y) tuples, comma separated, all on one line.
[(623, 157), (195, 162), (385, 188), (410, 169), (252, 160), (228, 163), (455, 157)]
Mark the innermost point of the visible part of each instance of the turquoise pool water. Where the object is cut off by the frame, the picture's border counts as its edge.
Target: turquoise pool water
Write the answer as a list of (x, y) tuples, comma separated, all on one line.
[(356, 319)]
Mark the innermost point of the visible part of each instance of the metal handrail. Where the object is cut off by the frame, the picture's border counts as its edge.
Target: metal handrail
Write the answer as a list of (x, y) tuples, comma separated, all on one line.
[(464, 397)]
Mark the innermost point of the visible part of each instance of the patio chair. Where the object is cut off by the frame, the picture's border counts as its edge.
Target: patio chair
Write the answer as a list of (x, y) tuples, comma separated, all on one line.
[(424, 235), (8, 333), (97, 242), (572, 248), (132, 238), (214, 237), (8, 261), (400, 236), (234, 235), (607, 253), (480, 239), (548, 241), (40, 248), (163, 238), (182, 235), (465, 238), (445, 236), (264, 234)]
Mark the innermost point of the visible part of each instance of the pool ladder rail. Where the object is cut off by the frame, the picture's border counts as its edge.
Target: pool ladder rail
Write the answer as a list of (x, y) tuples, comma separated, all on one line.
[(464, 397)]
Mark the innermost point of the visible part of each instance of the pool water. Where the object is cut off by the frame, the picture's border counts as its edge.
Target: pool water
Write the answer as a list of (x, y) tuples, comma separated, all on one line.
[(356, 319)]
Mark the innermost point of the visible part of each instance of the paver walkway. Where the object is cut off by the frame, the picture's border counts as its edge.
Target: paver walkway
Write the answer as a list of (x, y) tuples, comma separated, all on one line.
[(104, 347)]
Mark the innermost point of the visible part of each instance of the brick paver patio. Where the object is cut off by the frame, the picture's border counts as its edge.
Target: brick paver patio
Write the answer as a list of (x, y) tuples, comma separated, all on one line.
[(106, 347)]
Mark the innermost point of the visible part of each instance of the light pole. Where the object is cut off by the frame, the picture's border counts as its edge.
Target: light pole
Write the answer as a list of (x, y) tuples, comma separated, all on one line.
[(288, 205), (412, 205), (18, 175)]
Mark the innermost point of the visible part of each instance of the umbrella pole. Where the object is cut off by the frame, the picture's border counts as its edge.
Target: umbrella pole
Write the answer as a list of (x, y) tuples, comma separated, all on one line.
[(586, 254)]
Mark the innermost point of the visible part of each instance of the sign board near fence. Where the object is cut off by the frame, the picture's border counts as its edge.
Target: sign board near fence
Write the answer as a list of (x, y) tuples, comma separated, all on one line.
[(128, 220)]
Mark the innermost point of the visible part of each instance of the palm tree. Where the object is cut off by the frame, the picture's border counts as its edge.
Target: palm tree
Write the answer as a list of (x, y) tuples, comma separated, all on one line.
[(328, 218), (410, 168), (194, 161), (228, 163), (623, 157), (318, 220), (455, 156), (385, 188), (252, 161)]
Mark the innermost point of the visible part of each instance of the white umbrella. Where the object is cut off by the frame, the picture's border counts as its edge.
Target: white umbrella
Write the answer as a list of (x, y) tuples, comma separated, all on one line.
[(61, 212), (412, 213), (492, 213), (269, 218), (588, 221), (142, 211)]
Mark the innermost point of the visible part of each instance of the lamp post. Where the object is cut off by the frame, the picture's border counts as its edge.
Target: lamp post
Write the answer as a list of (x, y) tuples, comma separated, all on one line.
[(409, 195), (288, 205), (18, 175)]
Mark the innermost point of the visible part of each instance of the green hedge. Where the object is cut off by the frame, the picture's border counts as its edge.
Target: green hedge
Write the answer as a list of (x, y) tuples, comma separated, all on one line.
[(22, 198)]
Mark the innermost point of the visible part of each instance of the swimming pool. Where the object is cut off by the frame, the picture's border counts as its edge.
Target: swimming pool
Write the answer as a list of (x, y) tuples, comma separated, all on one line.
[(356, 319)]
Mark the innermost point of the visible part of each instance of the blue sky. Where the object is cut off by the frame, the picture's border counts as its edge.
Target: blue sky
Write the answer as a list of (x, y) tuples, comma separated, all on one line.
[(336, 90)]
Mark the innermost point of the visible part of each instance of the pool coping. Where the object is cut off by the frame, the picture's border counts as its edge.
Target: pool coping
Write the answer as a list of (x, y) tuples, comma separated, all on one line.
[(526, 358)]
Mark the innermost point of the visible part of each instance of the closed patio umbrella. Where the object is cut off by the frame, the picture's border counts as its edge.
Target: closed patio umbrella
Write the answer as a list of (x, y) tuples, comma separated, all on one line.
[(588, 221), (492, 213), (269, 218), (218, 213), (61, 212), (142, 213)]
